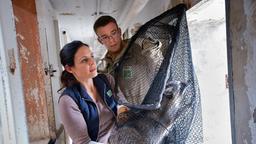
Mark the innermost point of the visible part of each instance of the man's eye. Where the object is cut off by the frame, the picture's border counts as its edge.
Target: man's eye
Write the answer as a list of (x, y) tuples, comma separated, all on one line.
[(104, 38), (114, 32)]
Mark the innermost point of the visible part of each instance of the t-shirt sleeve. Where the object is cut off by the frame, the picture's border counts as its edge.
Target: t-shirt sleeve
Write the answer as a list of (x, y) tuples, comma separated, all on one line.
[(73, 120)]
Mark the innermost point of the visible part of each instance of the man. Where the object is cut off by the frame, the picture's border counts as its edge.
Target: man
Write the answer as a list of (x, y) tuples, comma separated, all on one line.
[(109, 35), (134, 78)]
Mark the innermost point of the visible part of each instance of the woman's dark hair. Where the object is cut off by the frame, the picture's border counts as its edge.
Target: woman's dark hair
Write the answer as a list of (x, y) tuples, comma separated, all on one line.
[(102, 21), (67, 55)]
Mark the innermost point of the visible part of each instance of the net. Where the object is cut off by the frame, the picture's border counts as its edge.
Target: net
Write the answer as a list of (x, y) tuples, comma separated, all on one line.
[(157, 78)]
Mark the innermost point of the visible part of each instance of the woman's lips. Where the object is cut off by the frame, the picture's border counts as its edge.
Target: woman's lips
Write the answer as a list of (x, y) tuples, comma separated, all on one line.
[(92, 70)]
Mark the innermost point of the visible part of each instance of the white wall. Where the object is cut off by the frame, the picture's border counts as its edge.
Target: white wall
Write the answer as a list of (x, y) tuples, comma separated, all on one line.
[(50, 47), (207, 29), (13, 117), (152, 9)]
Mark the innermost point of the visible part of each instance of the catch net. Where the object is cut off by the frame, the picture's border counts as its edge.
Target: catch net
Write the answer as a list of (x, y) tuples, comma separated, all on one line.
[(158, 54)]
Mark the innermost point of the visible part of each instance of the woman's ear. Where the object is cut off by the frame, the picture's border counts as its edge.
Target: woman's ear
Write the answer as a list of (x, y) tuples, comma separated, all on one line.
[(68, 69)]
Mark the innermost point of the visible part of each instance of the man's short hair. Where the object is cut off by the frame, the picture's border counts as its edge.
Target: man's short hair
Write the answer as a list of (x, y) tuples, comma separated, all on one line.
[(102, 21)]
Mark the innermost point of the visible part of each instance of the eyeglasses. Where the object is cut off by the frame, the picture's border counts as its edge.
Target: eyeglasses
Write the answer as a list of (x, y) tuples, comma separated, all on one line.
[(106, 38)]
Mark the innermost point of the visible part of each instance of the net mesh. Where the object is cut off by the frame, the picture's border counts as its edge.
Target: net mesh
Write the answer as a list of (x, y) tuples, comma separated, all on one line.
[(158, 54)]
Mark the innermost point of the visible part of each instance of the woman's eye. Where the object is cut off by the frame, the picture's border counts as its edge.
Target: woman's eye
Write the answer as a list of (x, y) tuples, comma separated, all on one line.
[(84, 60)]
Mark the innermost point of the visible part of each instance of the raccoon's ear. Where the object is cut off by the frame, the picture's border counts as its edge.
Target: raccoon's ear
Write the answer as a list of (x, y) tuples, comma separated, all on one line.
[(174, 86)]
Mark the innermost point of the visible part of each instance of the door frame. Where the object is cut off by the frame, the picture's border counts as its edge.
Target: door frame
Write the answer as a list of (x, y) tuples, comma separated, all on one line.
[(13, 114)]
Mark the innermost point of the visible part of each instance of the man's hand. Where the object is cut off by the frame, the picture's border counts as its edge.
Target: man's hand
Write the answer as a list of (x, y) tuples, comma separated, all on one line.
[(121, 109)]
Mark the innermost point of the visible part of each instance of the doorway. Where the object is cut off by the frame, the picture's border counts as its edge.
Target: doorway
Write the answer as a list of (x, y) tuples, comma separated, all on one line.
[(207, 28)]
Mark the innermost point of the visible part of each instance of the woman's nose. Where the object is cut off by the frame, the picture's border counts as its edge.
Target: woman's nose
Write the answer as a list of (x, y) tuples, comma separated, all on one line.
[(92, 61)]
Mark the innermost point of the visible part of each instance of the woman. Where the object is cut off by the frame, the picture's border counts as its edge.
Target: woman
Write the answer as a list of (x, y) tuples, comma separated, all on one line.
[(87, 107)]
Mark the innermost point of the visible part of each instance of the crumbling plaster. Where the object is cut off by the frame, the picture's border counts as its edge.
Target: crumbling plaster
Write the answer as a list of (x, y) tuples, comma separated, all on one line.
[(243, 45)]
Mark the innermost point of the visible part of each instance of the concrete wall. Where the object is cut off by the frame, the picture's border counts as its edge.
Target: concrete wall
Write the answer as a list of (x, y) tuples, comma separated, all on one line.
[(242, 32)]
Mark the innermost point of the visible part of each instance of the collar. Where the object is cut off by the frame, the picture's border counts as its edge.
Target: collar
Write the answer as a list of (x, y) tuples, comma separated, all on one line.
[(108, 56)]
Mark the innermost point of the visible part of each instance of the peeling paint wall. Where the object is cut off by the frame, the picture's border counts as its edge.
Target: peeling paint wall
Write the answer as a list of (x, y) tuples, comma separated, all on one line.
[(242, 30), (32, 68)]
